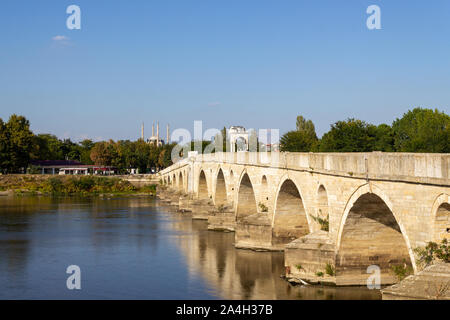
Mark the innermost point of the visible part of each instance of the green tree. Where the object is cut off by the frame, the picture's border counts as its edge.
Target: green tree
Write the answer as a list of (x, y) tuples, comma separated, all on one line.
[(296, 141), (20, 142), (85, 151), (383, 138), (4, 147), (47, 147), (306, 127), (303, 139), (348, 136), (422, 130)]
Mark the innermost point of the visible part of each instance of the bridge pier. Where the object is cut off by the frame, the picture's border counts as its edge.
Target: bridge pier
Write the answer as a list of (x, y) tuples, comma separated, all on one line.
[(222, 219), (254, 232), (311, 258)]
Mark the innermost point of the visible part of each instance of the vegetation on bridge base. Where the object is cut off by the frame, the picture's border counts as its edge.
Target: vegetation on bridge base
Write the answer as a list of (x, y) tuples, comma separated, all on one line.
[(433, 252)]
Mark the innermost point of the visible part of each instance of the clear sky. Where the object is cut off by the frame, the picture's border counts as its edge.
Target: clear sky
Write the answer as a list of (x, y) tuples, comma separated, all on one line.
[(254, 63)]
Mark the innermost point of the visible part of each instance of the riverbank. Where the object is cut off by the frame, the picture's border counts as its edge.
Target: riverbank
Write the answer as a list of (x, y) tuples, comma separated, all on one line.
[(71, 185)]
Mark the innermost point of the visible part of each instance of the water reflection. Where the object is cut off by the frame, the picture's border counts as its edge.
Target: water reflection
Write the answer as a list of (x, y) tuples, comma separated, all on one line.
[(133, 248), (244, 274)]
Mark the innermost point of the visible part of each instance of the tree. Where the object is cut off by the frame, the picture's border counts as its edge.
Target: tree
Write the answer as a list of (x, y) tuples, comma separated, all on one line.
[(101, 154), (20, 142), (383, 138), (422, 130), (295, 141), (306, 127), (4, 147), (85, 151), (348, 136), (303, 139)]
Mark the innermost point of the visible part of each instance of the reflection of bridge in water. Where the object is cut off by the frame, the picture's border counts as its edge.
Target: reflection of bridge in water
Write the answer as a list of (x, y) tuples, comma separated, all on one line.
[(379, 206), (245, 274)]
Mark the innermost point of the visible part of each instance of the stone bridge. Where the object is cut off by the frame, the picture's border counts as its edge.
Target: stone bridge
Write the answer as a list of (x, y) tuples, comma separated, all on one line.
[(333, 214)]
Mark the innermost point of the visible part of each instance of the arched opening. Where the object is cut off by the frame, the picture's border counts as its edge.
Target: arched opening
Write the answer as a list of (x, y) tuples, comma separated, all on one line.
[(290, 221), (173, 181), (264, 196), (221, 190), (246, 198), (442, 223), (241, 144), (180, 182), (322, 208), (202, 186), (371, 236)]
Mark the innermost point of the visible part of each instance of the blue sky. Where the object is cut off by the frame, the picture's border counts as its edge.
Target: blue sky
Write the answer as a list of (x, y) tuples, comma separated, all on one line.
[(254, 63)]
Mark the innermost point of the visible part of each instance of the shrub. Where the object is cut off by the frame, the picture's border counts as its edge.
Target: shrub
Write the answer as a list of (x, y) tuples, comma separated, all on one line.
[(263, 207), (329, 269), (402, 271), (324, 223), (433, 251)]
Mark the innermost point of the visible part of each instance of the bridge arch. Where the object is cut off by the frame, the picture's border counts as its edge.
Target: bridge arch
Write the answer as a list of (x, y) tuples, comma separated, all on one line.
[(180, 181), (441, 218), (290, 220), (202, 192), (246, 200), (371, 234), (220, 197)]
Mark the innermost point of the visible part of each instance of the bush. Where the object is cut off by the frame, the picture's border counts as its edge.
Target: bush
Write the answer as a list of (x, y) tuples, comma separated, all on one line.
[(329, 269), (433, 252), (324, 223), (263, 207), (402, 271)]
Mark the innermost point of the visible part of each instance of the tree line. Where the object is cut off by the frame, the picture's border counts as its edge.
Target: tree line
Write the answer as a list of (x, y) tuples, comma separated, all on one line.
[(419, 130), (19, 146)]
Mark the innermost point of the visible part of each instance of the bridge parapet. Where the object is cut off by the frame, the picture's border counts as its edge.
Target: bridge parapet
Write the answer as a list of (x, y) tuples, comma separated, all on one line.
[(409, 167)]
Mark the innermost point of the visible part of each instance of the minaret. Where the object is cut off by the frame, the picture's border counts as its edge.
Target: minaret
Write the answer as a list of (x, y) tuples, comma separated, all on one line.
[(168, 136), (153, 129), (157, 133), (142, 131)]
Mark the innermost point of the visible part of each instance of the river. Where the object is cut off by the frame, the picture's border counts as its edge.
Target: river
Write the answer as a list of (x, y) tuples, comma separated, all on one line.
[(133, 248)]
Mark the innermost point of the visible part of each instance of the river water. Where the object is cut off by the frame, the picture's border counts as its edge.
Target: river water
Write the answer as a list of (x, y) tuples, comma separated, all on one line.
[(133, 248)]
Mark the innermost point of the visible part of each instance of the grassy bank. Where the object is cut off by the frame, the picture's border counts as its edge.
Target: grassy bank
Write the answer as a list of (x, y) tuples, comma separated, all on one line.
[(70, 185)]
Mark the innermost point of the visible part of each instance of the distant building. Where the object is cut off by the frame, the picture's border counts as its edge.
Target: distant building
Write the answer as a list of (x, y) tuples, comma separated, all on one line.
[(70, 167), (239, 138), (156, 139)]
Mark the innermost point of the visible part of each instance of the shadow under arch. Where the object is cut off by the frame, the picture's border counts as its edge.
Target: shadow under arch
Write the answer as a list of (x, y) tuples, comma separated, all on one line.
[(221, 189), (246, 200), (370, 234), (290, 220), (202, 186)]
